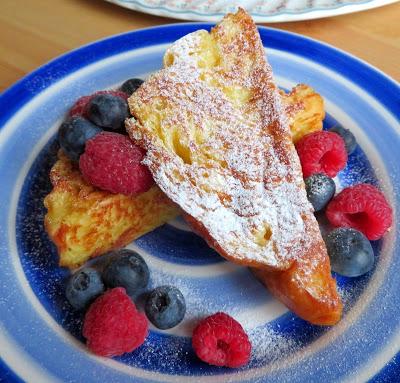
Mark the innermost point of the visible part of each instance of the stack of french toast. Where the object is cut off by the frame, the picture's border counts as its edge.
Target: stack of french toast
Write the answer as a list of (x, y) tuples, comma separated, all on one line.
[(219, 139)]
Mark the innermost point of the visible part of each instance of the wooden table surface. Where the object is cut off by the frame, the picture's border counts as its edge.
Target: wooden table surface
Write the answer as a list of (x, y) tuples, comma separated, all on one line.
[(34, 32)]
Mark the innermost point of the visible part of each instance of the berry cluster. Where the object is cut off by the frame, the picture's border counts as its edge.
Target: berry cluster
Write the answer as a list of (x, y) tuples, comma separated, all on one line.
[(361, 212), (112, 324), (94, 135)]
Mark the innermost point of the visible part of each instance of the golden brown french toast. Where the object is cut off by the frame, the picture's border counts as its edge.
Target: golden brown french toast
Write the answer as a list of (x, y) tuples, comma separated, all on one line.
[(218, 144), (305, 110), (84, 222), (307, 289)]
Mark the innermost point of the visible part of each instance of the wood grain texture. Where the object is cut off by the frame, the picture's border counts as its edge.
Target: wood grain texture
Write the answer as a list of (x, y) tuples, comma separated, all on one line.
[(34, 32)]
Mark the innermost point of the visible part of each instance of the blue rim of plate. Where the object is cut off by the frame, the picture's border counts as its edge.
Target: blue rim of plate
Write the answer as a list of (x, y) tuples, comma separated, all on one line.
[(377, 84), (370, 78)]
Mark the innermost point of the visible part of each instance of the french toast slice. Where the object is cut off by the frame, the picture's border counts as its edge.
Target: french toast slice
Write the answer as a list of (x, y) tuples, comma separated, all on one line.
[(218, 144), (85, 222)]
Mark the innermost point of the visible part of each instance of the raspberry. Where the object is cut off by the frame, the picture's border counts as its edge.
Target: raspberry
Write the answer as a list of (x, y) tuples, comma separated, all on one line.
[(112, 162), (112, 325), (80, 106), (221, 341), (322, 152), (362, 207)]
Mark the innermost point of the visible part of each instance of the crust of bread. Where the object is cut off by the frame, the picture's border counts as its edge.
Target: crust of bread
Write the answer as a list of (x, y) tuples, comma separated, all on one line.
[(310, 292)]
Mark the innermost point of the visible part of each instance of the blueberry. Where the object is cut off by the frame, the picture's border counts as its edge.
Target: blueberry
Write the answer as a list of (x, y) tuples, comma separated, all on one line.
[(349, 140), (108, 111), (350, 252), (131, 85), (320, 190), (83, 287), (73, 134), (165, 307), (127, 269)]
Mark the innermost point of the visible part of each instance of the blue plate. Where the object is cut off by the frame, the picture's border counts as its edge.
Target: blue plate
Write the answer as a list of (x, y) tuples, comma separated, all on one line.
[(40, 338)]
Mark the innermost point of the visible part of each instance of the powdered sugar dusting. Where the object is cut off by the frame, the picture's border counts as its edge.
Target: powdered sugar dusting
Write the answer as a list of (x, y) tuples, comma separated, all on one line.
[(269, 346), (222, 149)]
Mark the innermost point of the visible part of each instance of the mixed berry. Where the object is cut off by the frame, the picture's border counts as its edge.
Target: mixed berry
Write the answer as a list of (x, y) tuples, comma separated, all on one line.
[(129, 270), (350, 252), (112, 162), (108, 111), (113, 325), (131, 85), (320, 190), (321, 152), (73, 135), (221, 341), (165, 307), (362, 207), (83, 287), (93, 136), (80, 108), (361, 212), (350, 142)]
